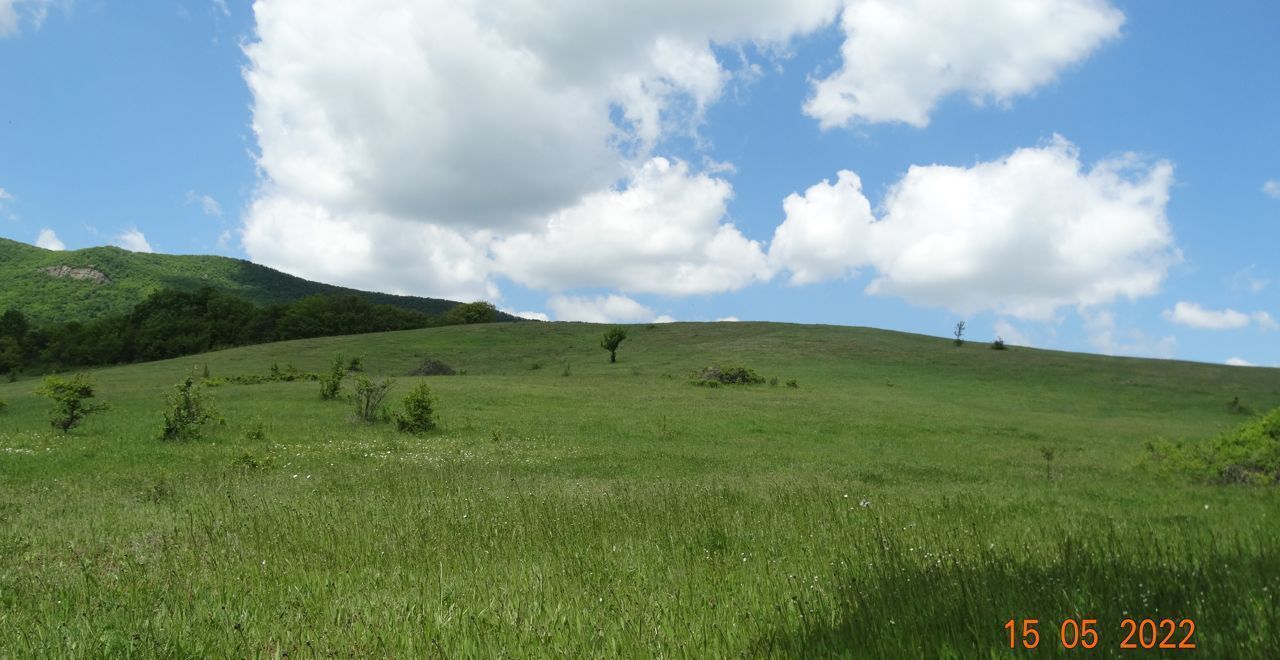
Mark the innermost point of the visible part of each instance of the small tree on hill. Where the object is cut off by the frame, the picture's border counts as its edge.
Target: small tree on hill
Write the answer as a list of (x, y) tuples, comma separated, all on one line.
[(331, 383), (611, 340), (368, 397), (188, 410), (467, 313), (959, 333), (419, 415), (69, 396)]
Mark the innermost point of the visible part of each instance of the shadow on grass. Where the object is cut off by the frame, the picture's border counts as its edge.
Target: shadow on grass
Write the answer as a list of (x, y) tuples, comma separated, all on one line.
[(902, 603)]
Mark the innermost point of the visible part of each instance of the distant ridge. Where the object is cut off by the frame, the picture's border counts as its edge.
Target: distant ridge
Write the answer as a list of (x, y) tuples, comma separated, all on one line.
[(82, 285)]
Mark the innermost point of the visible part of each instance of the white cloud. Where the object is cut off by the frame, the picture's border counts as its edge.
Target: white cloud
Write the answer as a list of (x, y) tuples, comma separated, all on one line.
[(661, 234), (728, 319), (1106, 337), (4, 194), (1011, 334), (1239, 362), (1022, 236), (601, 309), (221, 7), (503, 116), (825, 233), (533, 316), (902, 56), (133, 241), (208, 204), (1193, 315), (1272, 189), (15, 12), (48, 240)]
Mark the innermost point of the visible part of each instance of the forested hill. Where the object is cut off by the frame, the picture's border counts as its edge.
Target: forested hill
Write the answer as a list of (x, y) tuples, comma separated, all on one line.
[(82, 285)]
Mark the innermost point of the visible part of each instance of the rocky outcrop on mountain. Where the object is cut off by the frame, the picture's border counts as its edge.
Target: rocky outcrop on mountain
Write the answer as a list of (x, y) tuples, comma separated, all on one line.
[(84, 273)]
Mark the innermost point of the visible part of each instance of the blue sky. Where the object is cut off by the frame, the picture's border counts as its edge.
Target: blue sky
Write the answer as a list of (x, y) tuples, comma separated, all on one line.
[(1091, 175)]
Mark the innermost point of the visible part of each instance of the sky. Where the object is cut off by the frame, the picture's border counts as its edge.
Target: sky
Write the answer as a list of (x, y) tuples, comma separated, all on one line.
[(1084, 175)]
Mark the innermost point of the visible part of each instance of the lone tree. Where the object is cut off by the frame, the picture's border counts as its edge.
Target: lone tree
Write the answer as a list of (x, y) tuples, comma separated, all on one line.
[(610, 342), (69, 396), (468, 313), (960, 334)]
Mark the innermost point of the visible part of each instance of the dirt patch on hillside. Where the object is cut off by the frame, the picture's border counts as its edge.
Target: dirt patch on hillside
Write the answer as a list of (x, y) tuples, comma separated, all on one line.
[(431, 367)]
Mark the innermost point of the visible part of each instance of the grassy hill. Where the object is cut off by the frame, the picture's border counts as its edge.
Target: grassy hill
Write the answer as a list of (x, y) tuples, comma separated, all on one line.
[(134, 275), (897, 503)]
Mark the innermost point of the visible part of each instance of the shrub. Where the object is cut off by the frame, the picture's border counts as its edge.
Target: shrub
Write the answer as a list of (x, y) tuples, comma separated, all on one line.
[(355, 364), (431, 367), (3, 405), (331, 383), (727, 376), (419, 415), (1249, 453), (189, 410), (998, 345), (467, 313), (792, 383), (959, 333), (69, 396), (611, 340), (368, 397)]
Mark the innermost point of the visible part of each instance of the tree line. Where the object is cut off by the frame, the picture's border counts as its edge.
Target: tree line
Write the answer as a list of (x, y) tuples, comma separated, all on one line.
[(172, 323)]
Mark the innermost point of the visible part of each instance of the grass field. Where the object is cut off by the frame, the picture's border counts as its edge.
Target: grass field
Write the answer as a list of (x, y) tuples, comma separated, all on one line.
[(897, 503)]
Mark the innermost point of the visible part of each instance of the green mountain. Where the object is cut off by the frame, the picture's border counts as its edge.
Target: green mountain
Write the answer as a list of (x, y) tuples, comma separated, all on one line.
[(81, 285)]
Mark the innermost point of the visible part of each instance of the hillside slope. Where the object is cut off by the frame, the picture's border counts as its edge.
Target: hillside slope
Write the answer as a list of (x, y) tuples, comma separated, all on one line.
[(904, 499), (132, 276)]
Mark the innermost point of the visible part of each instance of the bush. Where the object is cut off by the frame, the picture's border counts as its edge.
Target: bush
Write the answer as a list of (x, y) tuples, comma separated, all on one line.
[(433, 368), (792, 383), (355, 364), (368, 398), (1248, 454), (188, 411), (69, 396), (331, 383), (419, 414), (468, 313), (3, 405), (998, 345), (727, 376)]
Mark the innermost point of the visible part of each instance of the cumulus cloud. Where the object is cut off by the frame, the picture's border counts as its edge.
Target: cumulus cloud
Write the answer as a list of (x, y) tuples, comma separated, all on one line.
[(532, 316), (500, 119), (601, 309), (4, 194), (1272, 189), (825, 233), (902, 56), (1021, 236), (1195, 316), (1239, 362), (661, 234), (48, 240), (133, 241), (1011, 334)]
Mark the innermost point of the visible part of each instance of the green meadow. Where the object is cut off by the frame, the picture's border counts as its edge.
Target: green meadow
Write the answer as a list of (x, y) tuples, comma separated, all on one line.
[(906, 499)]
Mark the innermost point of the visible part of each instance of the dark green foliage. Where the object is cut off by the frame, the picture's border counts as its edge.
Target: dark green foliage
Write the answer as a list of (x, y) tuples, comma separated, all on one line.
[(3, 405), (1238, 408), (430, 367), (70, 400), (611, 340), (727, 376), (419, 414), (135, 276), (367, 396), (468, 313), (355, 364), (1247, 454), (998, 345), (331, 383), (188, 410), (792, 383)]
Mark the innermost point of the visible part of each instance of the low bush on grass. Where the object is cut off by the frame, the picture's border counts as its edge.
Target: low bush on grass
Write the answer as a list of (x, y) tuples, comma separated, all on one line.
[(368, 397), (70, 397), (418, 415), (1247, 454), (3, 405), (998, 345), (331, 382), (431, 367), (189, 410), (715, 376)]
